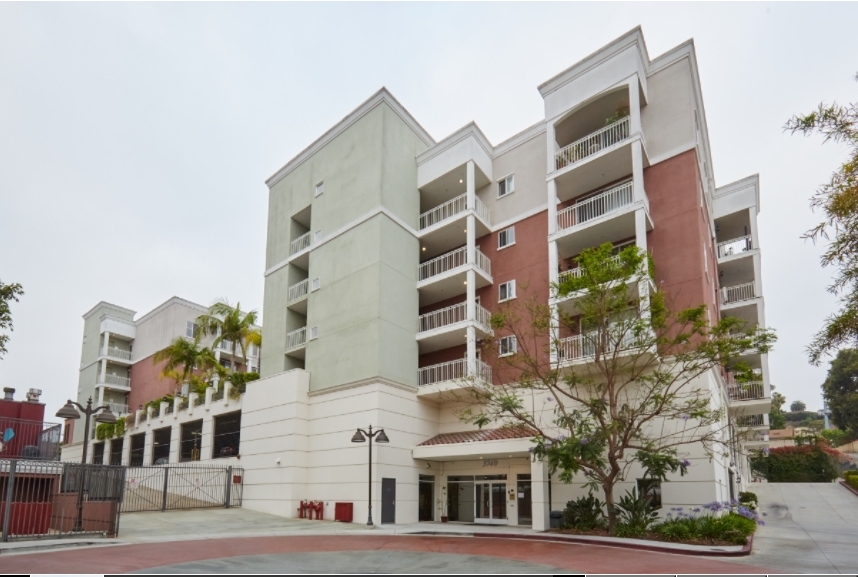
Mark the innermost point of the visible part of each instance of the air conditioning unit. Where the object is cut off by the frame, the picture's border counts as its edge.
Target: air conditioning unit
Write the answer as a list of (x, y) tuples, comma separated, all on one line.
[(33, 395)]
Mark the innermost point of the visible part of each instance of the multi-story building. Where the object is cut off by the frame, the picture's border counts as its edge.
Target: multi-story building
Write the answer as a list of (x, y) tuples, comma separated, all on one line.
[(388, 251), (117, 368)]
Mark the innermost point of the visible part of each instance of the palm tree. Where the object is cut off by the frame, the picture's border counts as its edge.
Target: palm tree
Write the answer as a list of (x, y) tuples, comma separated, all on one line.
[(228, 323), (183, 356)]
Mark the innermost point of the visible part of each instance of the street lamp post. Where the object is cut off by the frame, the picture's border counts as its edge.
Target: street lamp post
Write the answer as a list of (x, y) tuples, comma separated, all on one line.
[(69, 412), (360, 437)]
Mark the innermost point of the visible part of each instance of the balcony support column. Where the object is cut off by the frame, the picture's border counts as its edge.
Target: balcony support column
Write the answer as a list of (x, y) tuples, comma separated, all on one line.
[(640, 229), (471, 203), (551, 147), (471, 289), (634, 105), (554, 333), (552, 206), (553, 263), (103, 370), (752, 230), (106, 342), (637, 171)]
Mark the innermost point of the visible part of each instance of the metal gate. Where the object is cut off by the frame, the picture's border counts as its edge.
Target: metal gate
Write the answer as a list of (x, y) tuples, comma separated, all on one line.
[(181, 486), (40, 499)]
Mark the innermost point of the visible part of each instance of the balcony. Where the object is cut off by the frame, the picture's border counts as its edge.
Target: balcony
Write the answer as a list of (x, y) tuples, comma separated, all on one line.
[(117, 409), (435, 380), (445, 276), (296, 297), (120, 355), (735, 246), (444, 328), (296, 339), (443, 227), (570, 301), (593, 143), (30, 440), (594, 207), (753, 421), (301, 243), (581, 349), (450, 209), (748, 398), (115, 381), (738, 293)]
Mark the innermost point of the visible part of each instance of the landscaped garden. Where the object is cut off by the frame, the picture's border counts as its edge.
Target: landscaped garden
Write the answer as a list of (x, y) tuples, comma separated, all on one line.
[(716, 523)]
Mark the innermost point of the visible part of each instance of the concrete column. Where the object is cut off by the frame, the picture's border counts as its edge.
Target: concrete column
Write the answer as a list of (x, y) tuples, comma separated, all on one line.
[(752, 230), (471, 238), (103, 370), (553, 262), (758, 281), (634, 105), (637, 172), (100, 400), (148, 441), (554, 332), (640, 229), (126, 450), (539, 495), (552, 206), (206, 438), (175, 444), (106, 342), (551, 146), (472, 186)]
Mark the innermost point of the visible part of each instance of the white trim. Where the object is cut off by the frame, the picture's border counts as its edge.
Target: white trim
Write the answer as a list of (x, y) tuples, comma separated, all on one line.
[(512, 228), (382, 95), (319, 189), (505, 180), (509, 284), (529, 133), (116, 308), (315, 284), (470, 129), (514, 346)]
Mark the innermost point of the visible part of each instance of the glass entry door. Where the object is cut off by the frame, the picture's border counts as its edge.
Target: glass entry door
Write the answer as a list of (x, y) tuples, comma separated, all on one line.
[(490, 497)]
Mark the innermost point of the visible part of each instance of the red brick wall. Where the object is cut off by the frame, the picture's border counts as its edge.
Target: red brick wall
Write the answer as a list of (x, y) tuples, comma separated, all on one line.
[(146, 383)]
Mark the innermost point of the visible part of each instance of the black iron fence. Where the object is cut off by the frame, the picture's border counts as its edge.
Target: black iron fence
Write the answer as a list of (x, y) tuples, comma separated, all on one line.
[(182, 486), (40, 499)]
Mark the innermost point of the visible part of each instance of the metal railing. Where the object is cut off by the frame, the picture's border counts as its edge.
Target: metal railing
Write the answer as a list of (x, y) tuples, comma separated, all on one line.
[(444, 211), (296, 338), (593, 143), (579, 271), (735, 246), (443, 317), (603, 203), (737, 293), (226, 346), (53, 500), (302, 242), (586, 345), (119, 353), (746, 391), (483, 211), (453, 370), (751, 421), (29, 439), (483, 318), (483, 262), (115, 380), (117, 409), (181, 486), (451, 260), (218, 394), (298, 290)]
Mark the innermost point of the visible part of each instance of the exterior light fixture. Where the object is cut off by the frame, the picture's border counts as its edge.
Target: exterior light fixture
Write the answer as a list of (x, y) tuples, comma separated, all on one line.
[(461, 181), (361, 436)]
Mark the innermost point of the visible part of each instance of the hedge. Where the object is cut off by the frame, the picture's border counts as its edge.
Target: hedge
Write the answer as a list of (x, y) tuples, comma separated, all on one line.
[(851, 478), (800, 464)]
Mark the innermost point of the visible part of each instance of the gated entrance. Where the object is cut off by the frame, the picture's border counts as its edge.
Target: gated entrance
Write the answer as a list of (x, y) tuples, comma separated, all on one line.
[(181, 486)]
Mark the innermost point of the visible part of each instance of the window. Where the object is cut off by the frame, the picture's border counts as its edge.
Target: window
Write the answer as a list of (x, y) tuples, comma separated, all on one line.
[(161, 446), (314, 332), (506, 237), (506, 186), (116, 451), (138, 442), (98, 453), (191, 329), (506, 291), (320, 188), (191, 441), (227, 433), (508, 346), (225, 363), (652, 489), (317, 282)]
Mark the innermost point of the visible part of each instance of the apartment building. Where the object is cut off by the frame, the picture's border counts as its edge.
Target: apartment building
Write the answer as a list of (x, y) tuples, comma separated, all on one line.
[(388, 251), (117, 368)]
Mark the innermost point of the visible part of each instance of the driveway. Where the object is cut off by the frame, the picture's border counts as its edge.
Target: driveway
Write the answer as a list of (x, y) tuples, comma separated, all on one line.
[(810, 528)]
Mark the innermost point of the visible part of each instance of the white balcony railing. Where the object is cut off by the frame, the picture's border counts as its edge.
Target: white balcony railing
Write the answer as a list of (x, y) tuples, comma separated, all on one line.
[(451, 315), (119, 353), (227, 346), (300, 243), (298, 290), (751, 421), (451, 260), (735, 246), (592, 143), (296, 338), (116, 380), (450, 209), (596, 206), (117, 409), (746, 391), (579, 271), (453, 370), (584, 346), (737, 293)]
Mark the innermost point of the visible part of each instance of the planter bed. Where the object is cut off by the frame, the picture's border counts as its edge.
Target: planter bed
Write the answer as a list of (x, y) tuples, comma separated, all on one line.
[(648, 537)]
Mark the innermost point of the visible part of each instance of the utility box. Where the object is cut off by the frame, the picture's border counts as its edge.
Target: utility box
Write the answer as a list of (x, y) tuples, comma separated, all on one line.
[(556, 518), (343, 512)]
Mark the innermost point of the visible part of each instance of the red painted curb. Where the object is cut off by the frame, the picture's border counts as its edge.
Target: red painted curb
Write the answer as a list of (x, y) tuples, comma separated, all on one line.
[(744, 551), (848, 487)]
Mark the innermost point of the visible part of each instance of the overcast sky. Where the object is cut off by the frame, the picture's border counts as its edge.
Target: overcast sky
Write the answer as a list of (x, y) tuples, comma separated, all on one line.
[(135, 138)]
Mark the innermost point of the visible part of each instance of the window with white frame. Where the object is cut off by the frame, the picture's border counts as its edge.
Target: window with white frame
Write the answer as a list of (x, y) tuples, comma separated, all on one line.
[(506, 237), (314, 332), (506, 186), (317, 283), (191, 329), (506, 291), (320, 188), (507, 346)]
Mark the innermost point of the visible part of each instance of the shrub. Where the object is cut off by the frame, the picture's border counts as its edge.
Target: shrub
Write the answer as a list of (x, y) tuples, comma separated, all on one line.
[(747, 497), (800, 464), (733, 527), (635, 514), (585, 513), (851, 478)]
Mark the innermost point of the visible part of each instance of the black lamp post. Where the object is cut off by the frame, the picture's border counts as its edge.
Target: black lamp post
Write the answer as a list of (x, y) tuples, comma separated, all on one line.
[(69, 412), (359, 437)]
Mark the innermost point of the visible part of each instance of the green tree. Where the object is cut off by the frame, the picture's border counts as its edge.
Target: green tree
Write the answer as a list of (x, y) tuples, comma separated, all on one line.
[(840, 389), (838, 200), (228, 323), (183, 357), (777, 420), (797, 406), (8, 293), (835, 437), (636, 400)]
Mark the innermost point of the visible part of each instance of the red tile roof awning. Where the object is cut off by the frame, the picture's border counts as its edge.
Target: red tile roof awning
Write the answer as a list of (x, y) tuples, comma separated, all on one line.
[(480, 435)]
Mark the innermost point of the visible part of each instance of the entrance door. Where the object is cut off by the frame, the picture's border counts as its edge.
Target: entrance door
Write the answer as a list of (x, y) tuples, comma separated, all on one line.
[(491, 502), (525, 508), (426, 498), (388, 500)]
